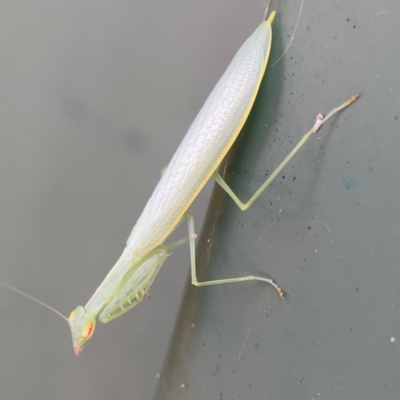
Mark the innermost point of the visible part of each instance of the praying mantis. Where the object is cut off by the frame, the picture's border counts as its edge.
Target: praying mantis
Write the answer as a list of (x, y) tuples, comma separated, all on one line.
[(196, 160)]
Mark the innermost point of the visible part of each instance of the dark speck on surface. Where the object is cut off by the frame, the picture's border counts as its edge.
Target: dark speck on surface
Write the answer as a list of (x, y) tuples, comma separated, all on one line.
[(350, 183)]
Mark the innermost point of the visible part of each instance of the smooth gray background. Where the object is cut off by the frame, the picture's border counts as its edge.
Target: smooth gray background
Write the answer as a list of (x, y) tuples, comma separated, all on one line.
[(95, 97)]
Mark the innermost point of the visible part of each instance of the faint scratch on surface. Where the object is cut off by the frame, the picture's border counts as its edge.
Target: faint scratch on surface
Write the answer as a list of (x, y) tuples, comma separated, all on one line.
[(212, 234), (291, 39), (327, 227), (217, 214), (244, 343), (226, 164), (383, 12), (323, 223)]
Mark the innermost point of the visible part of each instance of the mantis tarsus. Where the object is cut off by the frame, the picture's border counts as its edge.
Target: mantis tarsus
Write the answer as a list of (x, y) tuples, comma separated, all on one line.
[(196, 160)]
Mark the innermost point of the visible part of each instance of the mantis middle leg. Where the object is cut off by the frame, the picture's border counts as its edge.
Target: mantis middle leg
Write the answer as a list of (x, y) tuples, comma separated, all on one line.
[(192, 243)]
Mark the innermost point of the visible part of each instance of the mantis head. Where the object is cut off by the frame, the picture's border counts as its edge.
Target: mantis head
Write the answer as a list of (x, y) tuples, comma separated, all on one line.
[(82, 327)]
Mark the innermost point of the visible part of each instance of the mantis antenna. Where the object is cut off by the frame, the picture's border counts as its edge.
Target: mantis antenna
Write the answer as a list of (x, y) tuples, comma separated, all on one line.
[(14, 289)]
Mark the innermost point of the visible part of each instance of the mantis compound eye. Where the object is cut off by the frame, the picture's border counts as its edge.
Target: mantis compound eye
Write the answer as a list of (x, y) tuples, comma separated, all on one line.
[(87, 332), (71, 316)]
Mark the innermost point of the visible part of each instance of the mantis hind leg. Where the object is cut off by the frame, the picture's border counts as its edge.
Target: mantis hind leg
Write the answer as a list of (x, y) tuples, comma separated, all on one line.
[(192, 240), (245, 206)]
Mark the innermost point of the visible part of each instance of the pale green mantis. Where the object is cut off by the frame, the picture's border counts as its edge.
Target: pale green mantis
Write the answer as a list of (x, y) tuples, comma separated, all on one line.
[(196, 160)]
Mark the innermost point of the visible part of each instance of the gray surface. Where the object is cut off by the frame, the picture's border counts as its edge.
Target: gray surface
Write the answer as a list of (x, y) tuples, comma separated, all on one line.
[(329, 237), (95, 97)]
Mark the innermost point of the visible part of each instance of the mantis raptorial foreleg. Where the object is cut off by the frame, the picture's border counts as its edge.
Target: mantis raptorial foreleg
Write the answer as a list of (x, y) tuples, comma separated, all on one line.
[(195, 282), (244, 206)]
